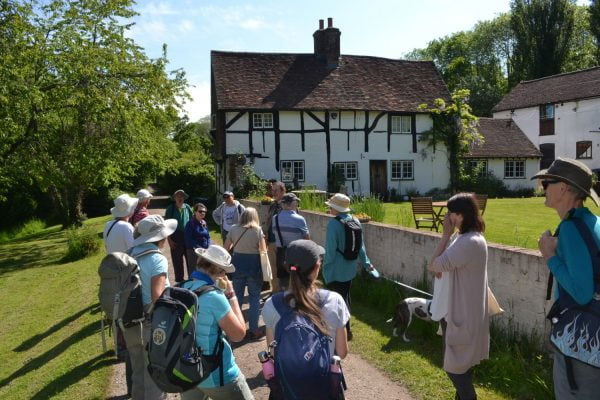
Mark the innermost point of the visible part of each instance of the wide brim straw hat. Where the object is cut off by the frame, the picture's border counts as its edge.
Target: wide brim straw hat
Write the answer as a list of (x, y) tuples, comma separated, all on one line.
[(154, 228), (124, 206), (339, 202), (180, 191), (218, 256), (574, 173)]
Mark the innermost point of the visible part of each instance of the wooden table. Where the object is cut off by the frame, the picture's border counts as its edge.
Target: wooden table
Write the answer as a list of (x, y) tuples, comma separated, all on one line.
[(438, 209)]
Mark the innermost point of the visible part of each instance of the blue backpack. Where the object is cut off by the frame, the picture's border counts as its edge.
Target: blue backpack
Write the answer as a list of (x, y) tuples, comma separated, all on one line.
[(302, 355)]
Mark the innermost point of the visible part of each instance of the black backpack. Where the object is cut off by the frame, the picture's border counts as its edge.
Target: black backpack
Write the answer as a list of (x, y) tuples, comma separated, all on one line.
[(176, 363), (353, 238)]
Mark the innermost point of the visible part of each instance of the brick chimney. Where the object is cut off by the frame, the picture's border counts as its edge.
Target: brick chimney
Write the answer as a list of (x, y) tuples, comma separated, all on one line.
[(327, 43)]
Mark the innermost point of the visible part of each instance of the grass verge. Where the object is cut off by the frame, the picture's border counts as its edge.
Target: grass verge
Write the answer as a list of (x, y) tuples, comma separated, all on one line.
[(516, 368), (50, 345)]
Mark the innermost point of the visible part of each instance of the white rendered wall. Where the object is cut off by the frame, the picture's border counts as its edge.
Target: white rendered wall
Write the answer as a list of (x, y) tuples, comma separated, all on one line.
[(347, 143), (573, 121), (532, 165)]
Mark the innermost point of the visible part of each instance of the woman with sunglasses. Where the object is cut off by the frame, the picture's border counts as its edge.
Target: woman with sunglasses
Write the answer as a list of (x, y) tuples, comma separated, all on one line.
[(196, 235), (460, 263), (218, 312)]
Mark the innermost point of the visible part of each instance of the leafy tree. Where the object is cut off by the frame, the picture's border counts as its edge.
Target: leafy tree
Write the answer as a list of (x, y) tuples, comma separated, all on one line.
[(582, 53), (85, 106), (594, 22), (453, 126), (543, 30), (192, 169)]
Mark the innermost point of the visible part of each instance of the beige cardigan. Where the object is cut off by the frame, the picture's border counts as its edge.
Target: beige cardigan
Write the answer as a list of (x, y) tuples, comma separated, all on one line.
[(467, 330)]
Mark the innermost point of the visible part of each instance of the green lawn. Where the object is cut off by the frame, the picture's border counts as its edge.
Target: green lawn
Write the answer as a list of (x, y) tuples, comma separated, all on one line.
[(51, 346), (515, 222)]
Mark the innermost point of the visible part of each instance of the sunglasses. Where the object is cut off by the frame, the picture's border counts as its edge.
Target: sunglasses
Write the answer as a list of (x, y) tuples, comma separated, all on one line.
[(547, 182), (201, 211)]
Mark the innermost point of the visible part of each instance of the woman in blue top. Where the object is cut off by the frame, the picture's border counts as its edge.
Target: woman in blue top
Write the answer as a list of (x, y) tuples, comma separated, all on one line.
[(218, 311), (196, 235)]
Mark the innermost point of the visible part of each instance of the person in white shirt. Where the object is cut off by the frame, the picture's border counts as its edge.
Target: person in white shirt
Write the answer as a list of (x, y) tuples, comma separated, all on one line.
[(118, 232), (228, 213)]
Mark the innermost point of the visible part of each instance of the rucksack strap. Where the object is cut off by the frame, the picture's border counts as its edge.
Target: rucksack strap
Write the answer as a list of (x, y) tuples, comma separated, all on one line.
[(237, 241), (279, 230), (110, 229)]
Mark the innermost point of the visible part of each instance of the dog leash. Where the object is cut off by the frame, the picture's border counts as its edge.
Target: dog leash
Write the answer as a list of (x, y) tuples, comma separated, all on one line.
[(407, 286)]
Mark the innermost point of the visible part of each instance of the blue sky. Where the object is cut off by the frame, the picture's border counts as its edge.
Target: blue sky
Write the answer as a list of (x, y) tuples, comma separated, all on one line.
[(383, 28)]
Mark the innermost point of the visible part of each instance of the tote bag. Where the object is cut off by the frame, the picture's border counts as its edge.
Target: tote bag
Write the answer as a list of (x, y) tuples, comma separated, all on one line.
[(265, 266)]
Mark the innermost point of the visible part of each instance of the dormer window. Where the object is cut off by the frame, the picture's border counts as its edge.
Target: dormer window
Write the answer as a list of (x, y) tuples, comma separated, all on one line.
[(262, 120), (547, 119)]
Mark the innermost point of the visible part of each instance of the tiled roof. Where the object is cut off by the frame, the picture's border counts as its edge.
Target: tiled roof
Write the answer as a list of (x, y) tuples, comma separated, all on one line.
[(502, 138), (302, 82), (553, 89)]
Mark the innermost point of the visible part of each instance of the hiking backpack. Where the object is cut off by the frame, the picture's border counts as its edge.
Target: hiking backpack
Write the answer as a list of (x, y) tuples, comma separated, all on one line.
[(120, 291), (353, 238), (302, 354), (176, 363)]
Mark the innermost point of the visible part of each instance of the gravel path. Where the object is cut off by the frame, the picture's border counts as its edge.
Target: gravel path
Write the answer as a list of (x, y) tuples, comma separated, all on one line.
[(364, 380)]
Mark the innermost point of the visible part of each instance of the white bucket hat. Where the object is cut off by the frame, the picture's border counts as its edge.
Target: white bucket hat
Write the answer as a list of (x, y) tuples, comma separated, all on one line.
[(339, 202), (154, 228), (218, 256), (124, 205), (143, 194)]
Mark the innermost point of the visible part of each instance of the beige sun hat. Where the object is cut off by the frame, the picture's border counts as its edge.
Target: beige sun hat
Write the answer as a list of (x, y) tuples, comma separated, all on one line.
[(143, 194), (339, 202), (574, 173), (154, 228), (218, 256), (181, 192), (124, 206)]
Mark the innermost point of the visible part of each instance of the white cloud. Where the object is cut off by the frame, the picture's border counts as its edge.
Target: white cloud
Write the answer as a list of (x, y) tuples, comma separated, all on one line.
[(159, 8), (186, 25), (252, 24)]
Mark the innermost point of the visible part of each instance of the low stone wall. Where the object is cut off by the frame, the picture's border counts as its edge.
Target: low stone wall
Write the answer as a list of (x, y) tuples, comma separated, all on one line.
[(517, 276)]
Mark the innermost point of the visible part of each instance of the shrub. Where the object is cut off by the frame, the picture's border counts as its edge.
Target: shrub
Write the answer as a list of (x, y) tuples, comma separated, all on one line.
[(250, 185), (31, 227), (81, 242), (311, 200), (487, 184)]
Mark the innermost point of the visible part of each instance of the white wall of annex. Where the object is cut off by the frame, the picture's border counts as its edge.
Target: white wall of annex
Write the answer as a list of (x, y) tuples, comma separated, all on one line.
[(532, 166)]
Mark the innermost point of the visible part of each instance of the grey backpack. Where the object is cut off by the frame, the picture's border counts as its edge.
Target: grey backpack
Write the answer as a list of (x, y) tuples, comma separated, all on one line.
[(120, 290)]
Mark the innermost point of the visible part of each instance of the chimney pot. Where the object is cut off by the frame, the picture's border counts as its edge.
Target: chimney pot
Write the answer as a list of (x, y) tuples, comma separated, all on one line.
[(321, 24), (327, 44), (330, 22)]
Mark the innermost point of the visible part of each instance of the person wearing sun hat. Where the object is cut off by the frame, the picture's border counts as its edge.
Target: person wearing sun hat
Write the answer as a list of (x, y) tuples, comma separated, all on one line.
[(141, 210), (218, 310), (338, 272), (151, 234), (567, 183), (326, 309), (118, 233), (183, 213)]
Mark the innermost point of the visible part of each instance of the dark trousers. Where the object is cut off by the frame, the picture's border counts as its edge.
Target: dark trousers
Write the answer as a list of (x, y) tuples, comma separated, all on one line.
[(178, 254), (463, 383), (343, 288)]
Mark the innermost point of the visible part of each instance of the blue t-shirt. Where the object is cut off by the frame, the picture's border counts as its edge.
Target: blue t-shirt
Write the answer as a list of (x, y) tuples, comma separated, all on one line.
[(212, 306), (292, 226), (150, 265)]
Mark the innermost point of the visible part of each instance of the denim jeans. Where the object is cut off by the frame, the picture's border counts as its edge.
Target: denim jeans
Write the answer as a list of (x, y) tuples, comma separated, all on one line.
[(254, 284)]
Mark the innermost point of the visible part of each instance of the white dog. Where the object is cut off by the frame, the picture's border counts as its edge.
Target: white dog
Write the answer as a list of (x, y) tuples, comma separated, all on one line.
[(405, 310)]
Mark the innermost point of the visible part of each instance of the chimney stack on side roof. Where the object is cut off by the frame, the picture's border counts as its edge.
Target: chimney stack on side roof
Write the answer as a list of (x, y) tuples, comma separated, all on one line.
[(327, 43)]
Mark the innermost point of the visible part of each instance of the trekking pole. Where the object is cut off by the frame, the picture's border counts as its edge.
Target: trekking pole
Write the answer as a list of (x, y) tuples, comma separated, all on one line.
[(407, 286)]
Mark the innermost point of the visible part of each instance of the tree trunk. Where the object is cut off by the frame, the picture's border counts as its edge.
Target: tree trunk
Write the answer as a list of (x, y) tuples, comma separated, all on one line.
[(68, 202)]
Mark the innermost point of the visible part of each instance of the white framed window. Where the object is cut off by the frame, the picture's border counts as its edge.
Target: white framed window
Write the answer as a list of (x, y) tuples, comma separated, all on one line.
[(514, 169), (292, 170), (401, 124), (480, 166), (403, 170), (262, 120), (349, 169)]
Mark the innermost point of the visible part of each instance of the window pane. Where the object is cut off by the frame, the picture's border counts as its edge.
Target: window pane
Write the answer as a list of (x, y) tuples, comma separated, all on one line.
[(286, 171), (405, 128), (351, 170), (584, 149), (396, 125), (267, 120), (257, 121)]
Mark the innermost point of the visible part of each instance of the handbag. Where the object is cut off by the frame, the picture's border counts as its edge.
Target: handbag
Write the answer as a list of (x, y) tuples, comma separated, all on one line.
[(493, 306), (265, 265)]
